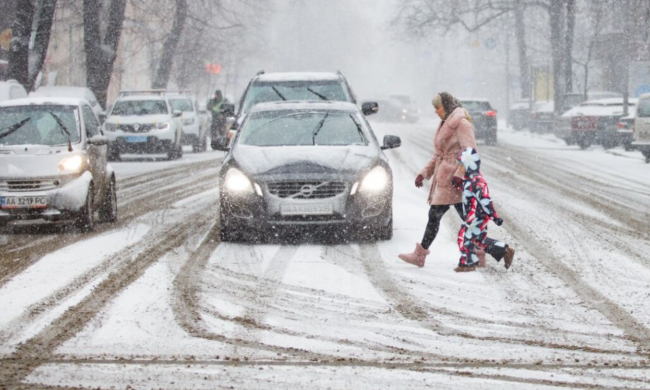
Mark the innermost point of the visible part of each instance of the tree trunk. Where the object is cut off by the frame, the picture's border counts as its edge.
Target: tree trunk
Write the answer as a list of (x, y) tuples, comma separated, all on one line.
[(524, 66), (568, 46), (19, 49), (41, 40), (101, 54), (169, 48), (556, 17)]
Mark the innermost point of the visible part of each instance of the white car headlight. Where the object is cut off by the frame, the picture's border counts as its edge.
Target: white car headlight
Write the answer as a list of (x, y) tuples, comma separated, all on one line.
[(72, 164), (162, 126), (188, 121), (375, 180), (236, 181)]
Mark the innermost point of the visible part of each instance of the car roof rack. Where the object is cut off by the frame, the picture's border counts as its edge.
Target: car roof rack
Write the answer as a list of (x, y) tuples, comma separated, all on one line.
[(131, 92)]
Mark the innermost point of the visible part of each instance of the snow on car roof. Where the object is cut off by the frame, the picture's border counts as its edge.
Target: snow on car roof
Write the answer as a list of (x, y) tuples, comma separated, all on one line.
[(63, 91), (608, 102), (599, 109), (297, 76), (142, 97), (305, 105), (64, 101)]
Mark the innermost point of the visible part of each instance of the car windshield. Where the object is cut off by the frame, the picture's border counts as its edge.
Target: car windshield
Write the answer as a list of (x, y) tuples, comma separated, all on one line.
[(39, 127), (643, 108), (300, 127), (476, 106), (139, 107), (184, 105), (295, 90)]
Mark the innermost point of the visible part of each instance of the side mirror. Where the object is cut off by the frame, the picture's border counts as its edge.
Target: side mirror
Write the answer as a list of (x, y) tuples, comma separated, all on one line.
[(98, 140), (220, 143), (228, 109), (369, 108), (391, 142), (177, 113)]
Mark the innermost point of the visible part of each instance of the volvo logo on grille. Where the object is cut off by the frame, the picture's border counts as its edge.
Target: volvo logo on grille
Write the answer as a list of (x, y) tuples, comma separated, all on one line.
[(307, 190), (136, 127)]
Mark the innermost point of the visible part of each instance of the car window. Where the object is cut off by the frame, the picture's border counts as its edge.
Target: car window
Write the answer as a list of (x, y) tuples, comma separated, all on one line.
[(295, 90), (643, 108), (184, 105), (296, 128), (476, 106), (90, 122), (139, 107), (39, 127)]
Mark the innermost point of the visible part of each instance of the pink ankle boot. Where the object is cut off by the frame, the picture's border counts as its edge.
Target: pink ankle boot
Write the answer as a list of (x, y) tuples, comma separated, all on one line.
[(417, 257)]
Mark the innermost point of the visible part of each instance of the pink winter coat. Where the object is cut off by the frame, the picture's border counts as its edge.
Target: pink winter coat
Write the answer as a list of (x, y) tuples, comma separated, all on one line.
[(452, 136)]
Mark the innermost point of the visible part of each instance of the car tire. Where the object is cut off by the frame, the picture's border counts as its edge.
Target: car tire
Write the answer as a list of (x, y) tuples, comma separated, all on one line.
[(628, 146), (175, 152), (646, 154), (569, 141), (108, 210), (584, 142), (85, 220), (609, 144)]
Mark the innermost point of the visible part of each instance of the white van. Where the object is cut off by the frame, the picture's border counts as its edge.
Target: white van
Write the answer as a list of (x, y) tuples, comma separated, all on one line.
[(642, 127)]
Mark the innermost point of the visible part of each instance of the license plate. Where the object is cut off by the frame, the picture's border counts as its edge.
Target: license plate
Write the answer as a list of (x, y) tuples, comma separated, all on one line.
[(135, 139), (306, 209), (23, 202)]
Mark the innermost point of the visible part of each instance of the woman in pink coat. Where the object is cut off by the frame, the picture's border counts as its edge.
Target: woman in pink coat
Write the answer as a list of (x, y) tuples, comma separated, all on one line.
[(454, 134)]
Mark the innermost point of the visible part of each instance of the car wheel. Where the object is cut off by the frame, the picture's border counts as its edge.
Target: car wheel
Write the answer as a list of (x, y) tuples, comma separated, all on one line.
[(646, 153), (85, 220), (628, 147), (175, 152), (569, 141), (609, 144), (108, 210), (584, 142)]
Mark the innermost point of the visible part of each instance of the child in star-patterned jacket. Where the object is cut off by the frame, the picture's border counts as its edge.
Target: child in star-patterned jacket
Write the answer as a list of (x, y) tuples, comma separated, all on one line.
[(478, 210)]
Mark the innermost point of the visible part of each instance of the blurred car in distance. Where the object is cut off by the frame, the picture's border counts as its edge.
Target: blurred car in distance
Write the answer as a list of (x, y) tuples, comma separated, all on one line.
[(594, 121), (194, 130), (11, 89), (484, 119), (542, 116), (395, 110), (72, 92), (300, 164), (642, 127), (519, 115), (575, 99), (53, 163)]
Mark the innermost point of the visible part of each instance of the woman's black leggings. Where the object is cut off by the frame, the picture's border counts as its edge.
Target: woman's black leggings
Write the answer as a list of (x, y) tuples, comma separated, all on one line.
[(495, 248)]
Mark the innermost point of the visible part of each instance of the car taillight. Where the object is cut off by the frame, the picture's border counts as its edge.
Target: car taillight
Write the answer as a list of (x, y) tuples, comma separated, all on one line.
[(491, 113), (621, 125), (584, 122)]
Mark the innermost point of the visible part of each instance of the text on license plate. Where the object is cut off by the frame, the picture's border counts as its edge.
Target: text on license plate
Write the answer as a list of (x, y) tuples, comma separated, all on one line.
[(306, 209), (136, 139), (23, 202)]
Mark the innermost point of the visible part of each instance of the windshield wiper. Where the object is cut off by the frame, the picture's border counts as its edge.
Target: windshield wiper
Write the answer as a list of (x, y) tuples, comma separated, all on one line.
[(11, 129), (317, 128), (359, 129), (63, 129), (278, 92), (321, 96)]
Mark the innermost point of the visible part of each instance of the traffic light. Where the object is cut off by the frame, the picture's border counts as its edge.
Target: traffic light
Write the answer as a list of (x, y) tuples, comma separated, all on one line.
[(213, 68)]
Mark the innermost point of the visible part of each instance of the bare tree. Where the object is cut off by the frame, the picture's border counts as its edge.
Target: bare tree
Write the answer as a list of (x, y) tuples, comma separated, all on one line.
[(171, 43), (33, 22), (101, 52)]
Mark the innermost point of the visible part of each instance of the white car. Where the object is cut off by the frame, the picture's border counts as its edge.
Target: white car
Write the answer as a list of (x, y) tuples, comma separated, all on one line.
[(642, 127), (143, 122), (53, 163), (72, 92), (194, 128), (11, 90)]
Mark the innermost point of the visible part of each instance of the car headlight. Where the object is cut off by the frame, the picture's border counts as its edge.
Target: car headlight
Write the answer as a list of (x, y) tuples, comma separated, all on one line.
[(375, 180), (162, 126), (404, 111), (72, 164), (110, 126), (236, 181), (188, 121)]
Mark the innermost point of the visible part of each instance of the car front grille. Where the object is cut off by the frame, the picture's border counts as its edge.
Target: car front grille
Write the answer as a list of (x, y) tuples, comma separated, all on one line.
[(18, 185), (137, 128), (306, 189)]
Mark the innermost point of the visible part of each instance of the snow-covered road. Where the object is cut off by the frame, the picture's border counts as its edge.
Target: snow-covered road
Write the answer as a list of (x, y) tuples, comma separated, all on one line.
[(156, 301)]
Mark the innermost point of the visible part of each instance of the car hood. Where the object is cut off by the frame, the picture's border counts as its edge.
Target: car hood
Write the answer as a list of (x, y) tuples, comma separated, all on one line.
[(131, 119), (273, 162), (29, 161)]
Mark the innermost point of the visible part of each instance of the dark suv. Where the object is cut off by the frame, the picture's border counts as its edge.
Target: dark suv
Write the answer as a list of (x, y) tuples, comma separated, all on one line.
[(484, 119), (271, 87)]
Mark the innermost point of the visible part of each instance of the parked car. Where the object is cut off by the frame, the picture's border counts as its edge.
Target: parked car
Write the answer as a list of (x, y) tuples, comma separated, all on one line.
[(72, 92), (642, 127), (11, 90), (271, 87), (194, 129), (53, 163), (484, 119), (594, 121), (300, 164), (575, 99), (542, 117), (143, 122), (519, 115)]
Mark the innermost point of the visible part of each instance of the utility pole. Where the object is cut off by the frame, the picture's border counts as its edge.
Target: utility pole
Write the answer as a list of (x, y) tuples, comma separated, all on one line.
[(626, 55)]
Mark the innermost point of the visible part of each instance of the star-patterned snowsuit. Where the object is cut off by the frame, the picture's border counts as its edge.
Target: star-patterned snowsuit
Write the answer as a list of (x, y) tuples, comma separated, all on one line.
[(478, 209)]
